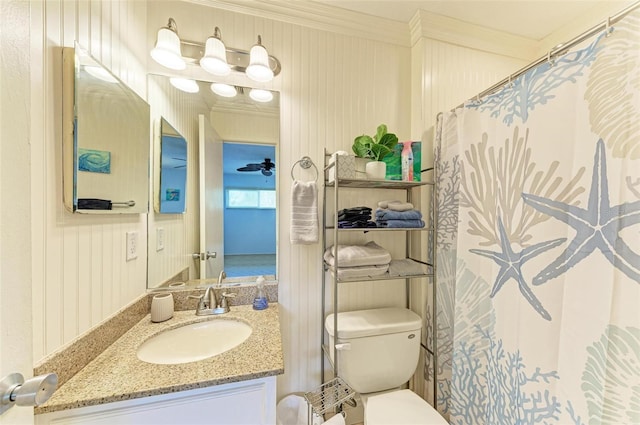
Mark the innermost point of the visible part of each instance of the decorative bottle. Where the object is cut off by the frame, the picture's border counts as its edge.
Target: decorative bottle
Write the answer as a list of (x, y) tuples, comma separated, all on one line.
[(407, 161), (260, 301)]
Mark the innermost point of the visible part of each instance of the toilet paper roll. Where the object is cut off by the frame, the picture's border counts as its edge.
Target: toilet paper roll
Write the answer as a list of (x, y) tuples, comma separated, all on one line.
[(335, 420), (162, 307)]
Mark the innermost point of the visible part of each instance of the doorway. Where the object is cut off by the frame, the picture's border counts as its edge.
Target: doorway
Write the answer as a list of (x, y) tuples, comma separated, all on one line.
[(249, 183)]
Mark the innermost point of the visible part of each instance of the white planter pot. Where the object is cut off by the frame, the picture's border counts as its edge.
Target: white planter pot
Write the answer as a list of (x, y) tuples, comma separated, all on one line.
[(376, 170), (361, 164)]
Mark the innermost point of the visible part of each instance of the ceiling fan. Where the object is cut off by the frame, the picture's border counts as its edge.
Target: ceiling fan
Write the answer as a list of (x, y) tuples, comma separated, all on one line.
[(264, 167)]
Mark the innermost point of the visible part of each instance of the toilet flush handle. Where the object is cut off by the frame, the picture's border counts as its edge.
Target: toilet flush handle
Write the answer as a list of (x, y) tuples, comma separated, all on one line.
[(343, 346)]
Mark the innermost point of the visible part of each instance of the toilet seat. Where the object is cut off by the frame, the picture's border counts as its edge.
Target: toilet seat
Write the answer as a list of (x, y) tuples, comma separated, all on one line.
[(403, 407)]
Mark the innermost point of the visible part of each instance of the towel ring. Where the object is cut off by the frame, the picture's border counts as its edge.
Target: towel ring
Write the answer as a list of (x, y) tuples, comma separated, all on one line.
[(306, 163)]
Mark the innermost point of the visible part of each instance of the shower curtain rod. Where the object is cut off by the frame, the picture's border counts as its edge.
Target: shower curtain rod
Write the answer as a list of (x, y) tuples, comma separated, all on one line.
[(559, 49)]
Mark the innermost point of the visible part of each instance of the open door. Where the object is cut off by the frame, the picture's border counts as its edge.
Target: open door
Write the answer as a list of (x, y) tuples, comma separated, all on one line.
[(16, 254), (211, 201)]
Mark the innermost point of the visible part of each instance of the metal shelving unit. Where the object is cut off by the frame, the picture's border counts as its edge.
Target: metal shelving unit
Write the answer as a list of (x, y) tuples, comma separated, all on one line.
[(330, 228)]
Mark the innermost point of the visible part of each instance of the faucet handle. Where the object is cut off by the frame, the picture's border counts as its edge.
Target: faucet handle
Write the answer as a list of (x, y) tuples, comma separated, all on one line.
[(223, 302), (201, 302)]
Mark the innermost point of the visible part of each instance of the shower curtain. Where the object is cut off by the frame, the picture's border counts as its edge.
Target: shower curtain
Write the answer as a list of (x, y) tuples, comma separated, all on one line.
[(538, 243)]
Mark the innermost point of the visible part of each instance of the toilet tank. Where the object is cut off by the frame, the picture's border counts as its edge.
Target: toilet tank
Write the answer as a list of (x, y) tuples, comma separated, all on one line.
[(378, 348)]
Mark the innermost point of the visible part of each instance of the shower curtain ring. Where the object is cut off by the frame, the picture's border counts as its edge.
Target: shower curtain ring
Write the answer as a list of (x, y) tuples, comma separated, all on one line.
[(608, 28), (550, 58)]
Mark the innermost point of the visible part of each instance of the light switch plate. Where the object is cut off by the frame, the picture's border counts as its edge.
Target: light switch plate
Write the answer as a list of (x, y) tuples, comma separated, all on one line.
[(159, 239), (132, 245)]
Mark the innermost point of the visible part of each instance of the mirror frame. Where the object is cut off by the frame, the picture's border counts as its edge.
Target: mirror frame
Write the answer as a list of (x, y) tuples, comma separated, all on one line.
[(179, 278), (165, 129), (72, 60)]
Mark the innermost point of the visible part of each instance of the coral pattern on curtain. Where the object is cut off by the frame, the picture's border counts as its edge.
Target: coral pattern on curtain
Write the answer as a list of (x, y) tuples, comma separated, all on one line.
[(538, 243)]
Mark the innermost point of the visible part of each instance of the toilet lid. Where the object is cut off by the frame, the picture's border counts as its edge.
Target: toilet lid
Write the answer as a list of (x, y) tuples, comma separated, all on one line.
[(402, 407)]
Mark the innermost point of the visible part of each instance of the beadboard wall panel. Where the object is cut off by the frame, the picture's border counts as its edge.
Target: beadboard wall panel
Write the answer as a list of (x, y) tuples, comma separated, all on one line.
[(80, 275)]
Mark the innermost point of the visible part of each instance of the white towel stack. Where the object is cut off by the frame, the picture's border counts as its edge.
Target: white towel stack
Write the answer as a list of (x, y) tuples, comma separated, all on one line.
[(358, 261), (304, 212), (395, 205)]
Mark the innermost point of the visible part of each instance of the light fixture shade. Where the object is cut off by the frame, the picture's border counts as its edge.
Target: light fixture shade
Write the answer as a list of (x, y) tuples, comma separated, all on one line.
[(167, 50), (224, 90), (260, 95), (185, 84), (215, 56), (259, 69)]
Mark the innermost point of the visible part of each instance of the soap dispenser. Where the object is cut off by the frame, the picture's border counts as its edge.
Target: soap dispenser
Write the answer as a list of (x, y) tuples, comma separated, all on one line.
[(260, 301)]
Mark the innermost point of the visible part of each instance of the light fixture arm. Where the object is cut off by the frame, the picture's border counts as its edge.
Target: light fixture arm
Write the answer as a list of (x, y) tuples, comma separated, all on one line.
[(172, 25)]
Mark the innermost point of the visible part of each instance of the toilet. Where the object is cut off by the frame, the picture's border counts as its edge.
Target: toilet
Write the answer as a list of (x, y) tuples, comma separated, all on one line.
[(378, 351)]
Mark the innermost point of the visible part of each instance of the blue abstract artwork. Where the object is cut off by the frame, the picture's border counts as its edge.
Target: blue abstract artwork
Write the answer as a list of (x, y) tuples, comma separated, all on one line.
[(172, 195), (94, 161)]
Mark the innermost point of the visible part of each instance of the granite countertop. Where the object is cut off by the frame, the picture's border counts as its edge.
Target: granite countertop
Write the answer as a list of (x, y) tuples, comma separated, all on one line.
[(117, 374)]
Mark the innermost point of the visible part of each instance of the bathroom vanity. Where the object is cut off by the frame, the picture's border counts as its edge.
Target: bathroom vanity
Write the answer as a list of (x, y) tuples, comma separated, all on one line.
[(235, 387)]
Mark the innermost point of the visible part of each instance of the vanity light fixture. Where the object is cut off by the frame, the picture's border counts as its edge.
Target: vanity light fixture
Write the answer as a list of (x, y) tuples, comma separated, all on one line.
[(224, 90), (217, 59), (259, 69), (185, 84), (167, 49), (260, 95), (214, 60)]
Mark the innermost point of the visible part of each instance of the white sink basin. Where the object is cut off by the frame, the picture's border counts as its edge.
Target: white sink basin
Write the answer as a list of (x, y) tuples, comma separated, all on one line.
[(194, 342)]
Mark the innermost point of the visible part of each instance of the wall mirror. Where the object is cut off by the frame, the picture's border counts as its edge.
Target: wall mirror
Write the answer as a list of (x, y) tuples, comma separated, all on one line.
[(236, 139), (105, 139), (171, 170)]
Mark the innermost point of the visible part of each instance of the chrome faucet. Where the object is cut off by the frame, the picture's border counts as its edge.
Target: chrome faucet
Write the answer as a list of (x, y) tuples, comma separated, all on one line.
[(208, 304), (222, 276)]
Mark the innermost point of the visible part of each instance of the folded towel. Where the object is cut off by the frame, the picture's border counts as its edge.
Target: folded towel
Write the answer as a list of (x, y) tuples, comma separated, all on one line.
[(397, 224), (355, 210), (361, 271), (304, 212), (407, 267), (396, 205), (370, 254), (354, 214), (382, 214), (94, 204), (356, 224)]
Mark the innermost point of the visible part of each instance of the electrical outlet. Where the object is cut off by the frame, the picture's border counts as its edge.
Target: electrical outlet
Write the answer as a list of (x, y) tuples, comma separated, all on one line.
[(159, 239), (132, 245)]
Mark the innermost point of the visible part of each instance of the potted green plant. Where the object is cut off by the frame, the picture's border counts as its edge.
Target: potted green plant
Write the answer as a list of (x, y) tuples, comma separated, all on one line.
[(375, 148)]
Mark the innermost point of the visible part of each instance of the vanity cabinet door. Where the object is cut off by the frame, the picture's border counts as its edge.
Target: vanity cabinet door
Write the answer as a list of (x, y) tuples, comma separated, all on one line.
[(249, 402)]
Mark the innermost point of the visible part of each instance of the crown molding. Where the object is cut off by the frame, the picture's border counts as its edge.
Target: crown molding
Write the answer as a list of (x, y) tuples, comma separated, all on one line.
[(430, 25), (319, 16)]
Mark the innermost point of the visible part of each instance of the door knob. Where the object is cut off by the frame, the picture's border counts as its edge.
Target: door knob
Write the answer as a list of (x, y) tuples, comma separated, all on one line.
[(211, 254), (32, 392), (198, 256)]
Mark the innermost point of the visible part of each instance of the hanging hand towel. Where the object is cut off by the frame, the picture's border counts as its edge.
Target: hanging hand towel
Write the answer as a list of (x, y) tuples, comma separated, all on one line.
[(304, 212)]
